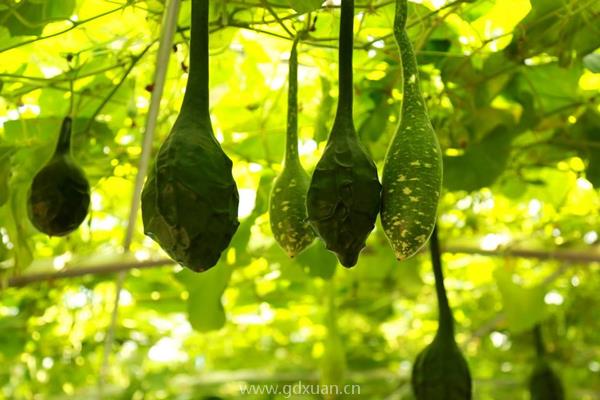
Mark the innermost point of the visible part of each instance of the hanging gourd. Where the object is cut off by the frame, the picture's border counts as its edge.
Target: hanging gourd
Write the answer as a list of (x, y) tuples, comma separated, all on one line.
[(59, 196), (190, 200), (412, 170), (287, 202), (544, 383), (344, 193), (440, 371)]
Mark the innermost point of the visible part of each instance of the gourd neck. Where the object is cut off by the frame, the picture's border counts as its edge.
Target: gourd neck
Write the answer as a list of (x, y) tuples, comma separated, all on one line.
[(446, 321), (291, 145), (346, 47), (196, 99), (411, 93), (63, 146)]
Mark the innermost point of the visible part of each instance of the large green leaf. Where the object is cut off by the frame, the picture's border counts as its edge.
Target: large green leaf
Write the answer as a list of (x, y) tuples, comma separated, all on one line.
[(304, 6), (524, 307), (481, 164), (29, 17), (205, 310)]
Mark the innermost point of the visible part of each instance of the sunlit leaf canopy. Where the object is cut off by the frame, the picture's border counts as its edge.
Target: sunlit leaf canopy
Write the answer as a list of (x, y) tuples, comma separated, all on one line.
[(512, 88)]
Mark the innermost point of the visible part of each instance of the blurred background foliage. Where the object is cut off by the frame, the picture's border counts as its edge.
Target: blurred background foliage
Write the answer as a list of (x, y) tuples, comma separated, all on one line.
[(512, 87)]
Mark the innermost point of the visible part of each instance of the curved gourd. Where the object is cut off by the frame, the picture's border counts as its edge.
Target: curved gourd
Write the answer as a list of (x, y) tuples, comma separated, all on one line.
[(190, 200), (59, 196), (287, 202), (412, 171), (344, 193)]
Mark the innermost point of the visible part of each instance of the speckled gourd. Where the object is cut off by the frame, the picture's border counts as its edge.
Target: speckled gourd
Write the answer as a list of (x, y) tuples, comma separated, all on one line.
[(287, 202), (440, 371), (412, 171), (190, 199), (344, 193), (59, 196)]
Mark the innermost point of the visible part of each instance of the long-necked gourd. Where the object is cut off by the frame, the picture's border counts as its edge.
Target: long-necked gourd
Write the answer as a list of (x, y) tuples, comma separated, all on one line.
[(544, 383), (412, 171), (59, 196), (440, 371), (287, 202), (190, 199), (344, 193)]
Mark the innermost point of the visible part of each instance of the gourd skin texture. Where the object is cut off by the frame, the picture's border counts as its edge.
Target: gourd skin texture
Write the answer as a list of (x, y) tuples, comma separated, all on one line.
[(190, 200), (344, 194), (412, 172), (544, 384), (440, 371), (59, 196), (287, 202)]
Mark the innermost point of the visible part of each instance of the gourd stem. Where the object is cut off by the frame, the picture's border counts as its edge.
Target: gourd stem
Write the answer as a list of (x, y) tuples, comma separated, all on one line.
[(411, 94), (291, 146), (539, 341), (63, 146), (346, 46), (197, 89), (446, 322)]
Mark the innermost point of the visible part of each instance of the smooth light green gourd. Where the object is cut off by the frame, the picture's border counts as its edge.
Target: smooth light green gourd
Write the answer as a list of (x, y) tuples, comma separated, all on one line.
[(412, 171), (440, 371), (287, 203), (344, 195), (59, 196), (544, 383), (190, 200)]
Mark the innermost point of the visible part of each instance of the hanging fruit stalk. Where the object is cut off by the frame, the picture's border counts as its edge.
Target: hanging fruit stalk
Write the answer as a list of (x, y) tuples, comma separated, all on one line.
[(412, 171), (287, 205), (190, 200), (59, 196), (344, 193), (440, 371)]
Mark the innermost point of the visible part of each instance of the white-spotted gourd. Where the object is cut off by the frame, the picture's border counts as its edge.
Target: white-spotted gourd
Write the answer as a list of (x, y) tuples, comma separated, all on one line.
[(412, 171), (287, 202)]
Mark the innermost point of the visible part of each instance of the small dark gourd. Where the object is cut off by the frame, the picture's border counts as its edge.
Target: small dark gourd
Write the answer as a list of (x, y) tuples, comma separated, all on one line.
[(440, 371), (190, 200), (544, 383), (344, 193), (412, 171), (59, 196), (287, 203)]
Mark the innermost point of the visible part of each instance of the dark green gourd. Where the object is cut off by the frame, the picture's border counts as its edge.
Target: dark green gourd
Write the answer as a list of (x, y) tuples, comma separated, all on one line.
[(440, 371), (344, 194), (287, 203), (190, 200), (544, 383), (59, 196), (412, 171)]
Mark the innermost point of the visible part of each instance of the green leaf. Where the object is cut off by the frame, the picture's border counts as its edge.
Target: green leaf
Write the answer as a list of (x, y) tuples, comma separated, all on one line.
[(6, 153), (304, 6), (481, 164), (317, 261), (30, 17), (523, 307), (205, 310), (592, 62)]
